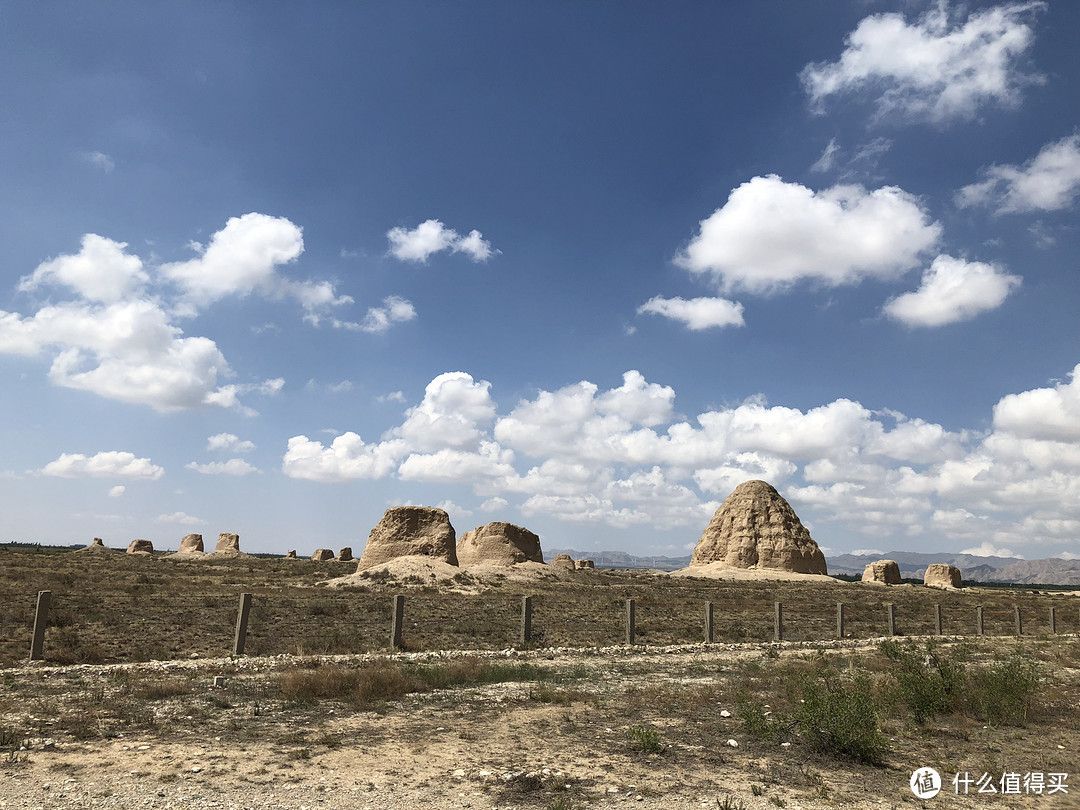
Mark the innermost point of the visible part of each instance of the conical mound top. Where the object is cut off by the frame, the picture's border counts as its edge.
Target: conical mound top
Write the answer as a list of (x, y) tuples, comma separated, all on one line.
[(756, 528)]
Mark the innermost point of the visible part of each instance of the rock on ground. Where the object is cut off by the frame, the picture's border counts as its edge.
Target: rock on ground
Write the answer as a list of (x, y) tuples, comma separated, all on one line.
[(756, 528)]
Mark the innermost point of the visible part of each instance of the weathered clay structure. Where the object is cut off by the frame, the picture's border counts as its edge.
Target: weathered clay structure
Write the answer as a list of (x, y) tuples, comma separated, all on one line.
[(290, 555), (886, 572), (191, 544), (140, 547), (407, 531), (323, 555), (584, 565), (942, 575), (564, 561), (756, 528), (97, 545), (499, 543), (228, 544), (345, 555)]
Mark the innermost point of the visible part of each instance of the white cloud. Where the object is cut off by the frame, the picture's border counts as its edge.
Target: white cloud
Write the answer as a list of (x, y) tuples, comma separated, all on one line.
[(1042, 413), (495, 504), (234, 466), (771, 235), (859, 552), (623, 457), (346, 459), (117, 491), (393, 396), (241, 258), (696, 313), (230, 442), (952, 290), (430, 237), (988, 550), (101, 271), (116, 339), (182, 518), (828, 158), (107, 464), (99, 160), (454, 510), (378, 320), (936, 69), (1048, 182)]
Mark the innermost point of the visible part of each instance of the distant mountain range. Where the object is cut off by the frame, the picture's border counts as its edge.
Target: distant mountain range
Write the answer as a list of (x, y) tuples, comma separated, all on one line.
[(1052, 571)]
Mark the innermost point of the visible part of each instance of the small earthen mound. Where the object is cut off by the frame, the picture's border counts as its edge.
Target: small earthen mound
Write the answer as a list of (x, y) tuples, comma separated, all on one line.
[(756, 528), (345, 555), (410, 531), (228, 544), (140, 547), (499, 543), (323, 555), (191, 544), (585, 565), (941, 575), (97, 545), (886, 572), (563, 561), (290, 555)]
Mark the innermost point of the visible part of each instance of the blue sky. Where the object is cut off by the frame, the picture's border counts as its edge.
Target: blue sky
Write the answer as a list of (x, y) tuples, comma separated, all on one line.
[(272, 268)]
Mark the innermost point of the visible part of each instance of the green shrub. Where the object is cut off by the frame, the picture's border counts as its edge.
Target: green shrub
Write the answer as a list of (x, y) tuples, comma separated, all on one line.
[(838, 716), (1004, 692), (646, 739), (929, 680)]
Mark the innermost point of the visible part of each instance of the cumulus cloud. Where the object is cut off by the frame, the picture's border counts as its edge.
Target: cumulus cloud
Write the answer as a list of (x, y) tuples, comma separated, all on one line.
[(431, 237), (1050, 181), (378, 320), (621, 456), (952, 290), (107, 464), (117, 491), (99, 160), (230, 442), (101, 271), (234, 466), (936, 69), (770, 234), (696, 313), (988, 550), (116, 337), (1051, 414)]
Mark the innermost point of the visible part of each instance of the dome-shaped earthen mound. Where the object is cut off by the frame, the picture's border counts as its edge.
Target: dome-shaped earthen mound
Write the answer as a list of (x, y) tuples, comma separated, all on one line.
[(563, 561), (140, 547), (323, 555), (499, 543), (886, 572), (97, 546), (941, 575), (408, 531), (756, 528), (191, 544)]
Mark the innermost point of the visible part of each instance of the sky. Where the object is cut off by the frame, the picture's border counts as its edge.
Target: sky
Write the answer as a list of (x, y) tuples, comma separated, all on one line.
[(272, 268)]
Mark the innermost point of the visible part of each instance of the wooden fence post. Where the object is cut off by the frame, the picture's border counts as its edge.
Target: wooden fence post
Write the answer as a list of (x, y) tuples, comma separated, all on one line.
[(240, 639), (526, 619), (980, 627), (839, 619), (938, 624), (1018, 621), (395, 622), (890, 614), (778, 621), (1053, 621), (41, 616), (631, 615), (709, 626)]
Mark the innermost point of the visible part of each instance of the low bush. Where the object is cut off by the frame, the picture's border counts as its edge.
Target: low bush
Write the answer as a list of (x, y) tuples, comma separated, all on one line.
[(929, 680), (1004, 692)]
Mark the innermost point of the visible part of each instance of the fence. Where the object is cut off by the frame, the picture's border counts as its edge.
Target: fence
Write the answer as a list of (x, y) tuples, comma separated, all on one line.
[(526, 635)]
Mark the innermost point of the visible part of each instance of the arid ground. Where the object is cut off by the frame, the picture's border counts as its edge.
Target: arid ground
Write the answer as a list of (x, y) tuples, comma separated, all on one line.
[(138, 703)]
